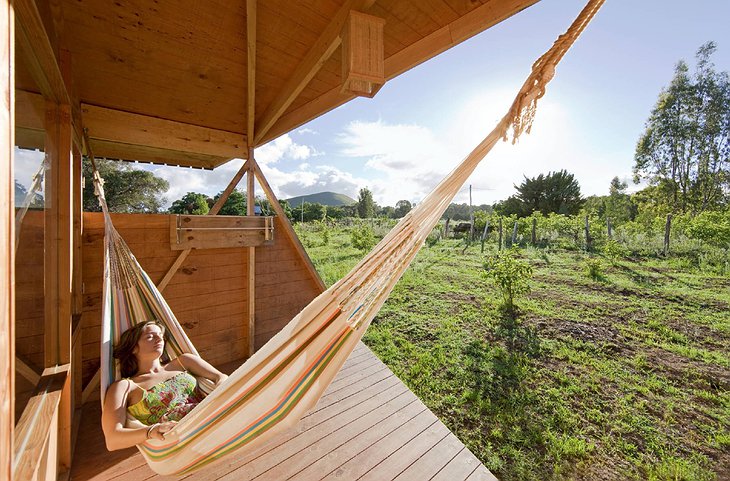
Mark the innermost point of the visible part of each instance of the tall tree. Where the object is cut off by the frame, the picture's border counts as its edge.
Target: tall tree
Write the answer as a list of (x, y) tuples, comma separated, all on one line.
[(235, 204), (557, 192), (618, 205), (191, 203), (126, 189), (402, 207), (685, 149), (365, 204)]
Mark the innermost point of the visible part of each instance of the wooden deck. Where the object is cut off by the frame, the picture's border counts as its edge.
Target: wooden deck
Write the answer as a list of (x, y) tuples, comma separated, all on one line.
[(367, 426)]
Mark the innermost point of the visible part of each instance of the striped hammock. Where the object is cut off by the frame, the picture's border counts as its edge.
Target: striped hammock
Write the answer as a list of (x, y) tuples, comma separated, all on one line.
[(274, 388)]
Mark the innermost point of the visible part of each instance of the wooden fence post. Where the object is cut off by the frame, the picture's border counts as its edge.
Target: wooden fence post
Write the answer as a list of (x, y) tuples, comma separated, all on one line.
[(514, 235), (446, 228), (484, 234), (667, 231), (608, 228), (534, 231), (500, 234), (588, 235)]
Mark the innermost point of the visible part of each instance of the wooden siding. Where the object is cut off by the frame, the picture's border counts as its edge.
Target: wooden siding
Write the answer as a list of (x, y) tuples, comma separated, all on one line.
[(368, 425)]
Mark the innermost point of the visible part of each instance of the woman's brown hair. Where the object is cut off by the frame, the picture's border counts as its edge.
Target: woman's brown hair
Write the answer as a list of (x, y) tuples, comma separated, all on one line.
[(124, 350)]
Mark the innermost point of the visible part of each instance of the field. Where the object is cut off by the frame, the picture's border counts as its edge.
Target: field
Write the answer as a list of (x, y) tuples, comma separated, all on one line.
[(620, 375)]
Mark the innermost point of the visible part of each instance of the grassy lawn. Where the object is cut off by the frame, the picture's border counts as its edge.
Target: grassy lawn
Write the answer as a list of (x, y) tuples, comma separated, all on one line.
[(620, 376)]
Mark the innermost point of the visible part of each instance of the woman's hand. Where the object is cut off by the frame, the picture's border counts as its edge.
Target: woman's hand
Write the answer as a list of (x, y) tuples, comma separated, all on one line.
[(158, 430)]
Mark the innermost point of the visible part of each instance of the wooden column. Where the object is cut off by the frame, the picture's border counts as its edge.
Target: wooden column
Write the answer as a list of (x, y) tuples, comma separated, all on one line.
[(59, 263), (7, 258), (250, 204)]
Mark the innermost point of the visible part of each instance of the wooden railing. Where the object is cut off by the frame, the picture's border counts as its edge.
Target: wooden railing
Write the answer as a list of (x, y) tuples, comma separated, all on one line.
[(37, 432)]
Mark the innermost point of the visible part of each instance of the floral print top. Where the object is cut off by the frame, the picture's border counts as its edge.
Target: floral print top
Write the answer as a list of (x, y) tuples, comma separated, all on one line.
[(169, 400)]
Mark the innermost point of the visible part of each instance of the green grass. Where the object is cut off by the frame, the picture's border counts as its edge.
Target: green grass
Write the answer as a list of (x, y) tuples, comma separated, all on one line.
[(622, 375)]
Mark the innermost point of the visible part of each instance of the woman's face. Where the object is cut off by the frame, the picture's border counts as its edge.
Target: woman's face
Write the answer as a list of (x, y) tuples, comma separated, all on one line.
[(151, 343)]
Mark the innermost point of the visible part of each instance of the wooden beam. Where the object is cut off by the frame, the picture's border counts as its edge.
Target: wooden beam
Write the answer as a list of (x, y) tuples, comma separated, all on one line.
[(213, 211), (40, 48), (111, 125), (288, 229), (24, 369), (39, 44), (7, 234), (251, 67), (320, 52), (250, 210), (463, 28), (37, 428)]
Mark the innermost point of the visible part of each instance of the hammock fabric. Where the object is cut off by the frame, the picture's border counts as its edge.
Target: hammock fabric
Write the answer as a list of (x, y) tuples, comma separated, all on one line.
[(273, 389)]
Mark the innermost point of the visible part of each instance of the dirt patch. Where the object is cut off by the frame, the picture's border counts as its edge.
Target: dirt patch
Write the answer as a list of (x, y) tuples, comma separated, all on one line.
[(683, 370)]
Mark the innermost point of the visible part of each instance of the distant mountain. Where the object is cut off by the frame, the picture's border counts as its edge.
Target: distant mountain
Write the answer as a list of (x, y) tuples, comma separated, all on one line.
[(324, 198)]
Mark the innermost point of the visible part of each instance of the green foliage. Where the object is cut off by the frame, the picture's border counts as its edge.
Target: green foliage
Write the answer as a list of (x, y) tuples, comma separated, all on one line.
[(510, 274), (365, 204), (126, 189), (362, 237), (235, 204), (614, 251), (557, 192), (402, 207), (594, 268), (312, 212), (191, 203), (684, 152), (462, 211), (711, 227)]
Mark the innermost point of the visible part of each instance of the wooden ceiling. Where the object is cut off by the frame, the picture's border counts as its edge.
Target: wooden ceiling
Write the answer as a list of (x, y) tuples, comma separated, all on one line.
[(169, 81)]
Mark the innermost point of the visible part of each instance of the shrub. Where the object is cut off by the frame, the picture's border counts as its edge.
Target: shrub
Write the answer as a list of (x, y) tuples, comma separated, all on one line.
[(614, 251), (594, 268), (362, 237), (510, 274)]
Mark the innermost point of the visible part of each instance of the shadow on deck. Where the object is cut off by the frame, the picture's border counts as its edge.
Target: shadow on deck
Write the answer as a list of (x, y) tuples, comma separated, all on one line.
[(368, 425)]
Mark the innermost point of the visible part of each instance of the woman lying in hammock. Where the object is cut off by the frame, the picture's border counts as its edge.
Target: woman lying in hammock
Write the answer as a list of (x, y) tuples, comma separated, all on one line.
[(156, 394)]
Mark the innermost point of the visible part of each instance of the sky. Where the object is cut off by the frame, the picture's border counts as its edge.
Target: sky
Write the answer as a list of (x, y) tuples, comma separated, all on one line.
[(421, 124)]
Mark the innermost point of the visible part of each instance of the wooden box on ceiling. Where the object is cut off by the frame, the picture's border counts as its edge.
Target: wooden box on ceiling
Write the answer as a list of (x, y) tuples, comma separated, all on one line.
[(363, 63)]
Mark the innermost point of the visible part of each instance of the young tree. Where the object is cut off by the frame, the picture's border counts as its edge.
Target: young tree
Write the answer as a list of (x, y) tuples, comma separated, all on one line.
[(685, 149), (365, 204), (191, 203), (126, 189), (618, 205)]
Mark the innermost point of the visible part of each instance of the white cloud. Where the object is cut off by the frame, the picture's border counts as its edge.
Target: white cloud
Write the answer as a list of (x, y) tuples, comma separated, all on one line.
[(283, 147), (312, 180)]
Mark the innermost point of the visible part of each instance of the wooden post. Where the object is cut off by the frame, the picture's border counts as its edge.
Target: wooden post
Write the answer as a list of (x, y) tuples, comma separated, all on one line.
[(588, 235), (471, 218), (7, 234), (500, 235), (534, 231), (609, 232), (514, 235), (446, 228), (59, 262), (77, 295), (667, 231), (250, 210), (484, 234)]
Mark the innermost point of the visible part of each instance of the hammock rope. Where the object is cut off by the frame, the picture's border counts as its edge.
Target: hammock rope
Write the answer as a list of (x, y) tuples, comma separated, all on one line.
[(284, 379)]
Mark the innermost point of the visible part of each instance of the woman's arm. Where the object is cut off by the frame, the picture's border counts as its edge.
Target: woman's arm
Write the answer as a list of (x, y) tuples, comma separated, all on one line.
[(199, 367), (114, 416)]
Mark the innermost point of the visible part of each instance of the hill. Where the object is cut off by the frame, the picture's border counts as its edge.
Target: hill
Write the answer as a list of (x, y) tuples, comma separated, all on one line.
[(324, 198)]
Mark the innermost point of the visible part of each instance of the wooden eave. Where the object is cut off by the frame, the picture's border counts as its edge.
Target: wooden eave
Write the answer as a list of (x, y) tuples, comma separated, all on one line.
[(170, 82)]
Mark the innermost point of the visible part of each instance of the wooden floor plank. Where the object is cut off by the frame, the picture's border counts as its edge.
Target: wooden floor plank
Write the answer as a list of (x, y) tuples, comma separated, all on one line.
[(358, 443), (407, 454), (432, 461), (372, 455), (293, 463), (458, 468), (481, 473)]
